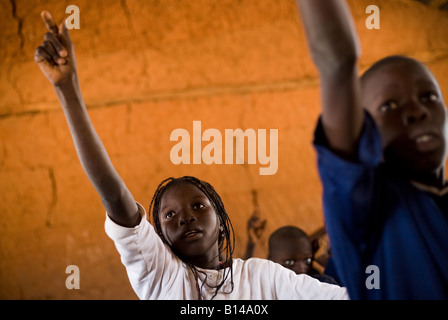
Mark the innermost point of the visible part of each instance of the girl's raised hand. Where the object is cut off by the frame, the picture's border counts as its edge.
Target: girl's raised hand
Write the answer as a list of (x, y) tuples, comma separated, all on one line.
[(56, 56)]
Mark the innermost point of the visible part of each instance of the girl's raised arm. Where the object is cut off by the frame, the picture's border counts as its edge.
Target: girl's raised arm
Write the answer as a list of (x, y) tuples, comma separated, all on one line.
[(334, 48), (56, 59)]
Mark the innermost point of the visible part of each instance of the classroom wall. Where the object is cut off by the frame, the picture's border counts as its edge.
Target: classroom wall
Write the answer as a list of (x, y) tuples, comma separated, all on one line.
[(147, 68)]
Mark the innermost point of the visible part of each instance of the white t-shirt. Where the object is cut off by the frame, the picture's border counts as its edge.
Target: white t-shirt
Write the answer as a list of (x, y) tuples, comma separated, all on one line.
[(155, 272)]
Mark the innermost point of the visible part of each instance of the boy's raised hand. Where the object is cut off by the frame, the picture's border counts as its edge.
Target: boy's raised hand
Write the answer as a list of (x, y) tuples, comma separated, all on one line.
[(56, 56), (334, 46)]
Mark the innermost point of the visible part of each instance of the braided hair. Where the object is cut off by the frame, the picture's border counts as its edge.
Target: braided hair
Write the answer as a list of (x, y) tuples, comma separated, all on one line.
[(226, 237)]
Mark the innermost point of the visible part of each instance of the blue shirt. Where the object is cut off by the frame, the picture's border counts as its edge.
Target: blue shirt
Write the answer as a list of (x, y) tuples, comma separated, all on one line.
[(377, 218)]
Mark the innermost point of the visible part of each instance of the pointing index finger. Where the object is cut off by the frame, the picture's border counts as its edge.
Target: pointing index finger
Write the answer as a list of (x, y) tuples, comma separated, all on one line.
[(49, 22)]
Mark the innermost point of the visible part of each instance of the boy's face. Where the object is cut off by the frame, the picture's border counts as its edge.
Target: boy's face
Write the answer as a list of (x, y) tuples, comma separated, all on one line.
[(406, 102), (294, 254), (190, 224)]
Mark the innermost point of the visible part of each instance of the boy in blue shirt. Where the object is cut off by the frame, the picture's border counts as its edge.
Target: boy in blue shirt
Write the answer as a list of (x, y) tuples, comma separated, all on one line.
[(382, 145)]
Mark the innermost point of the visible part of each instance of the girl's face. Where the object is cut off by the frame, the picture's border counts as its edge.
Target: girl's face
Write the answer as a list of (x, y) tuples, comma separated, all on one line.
[(408, 107), (190, 225)]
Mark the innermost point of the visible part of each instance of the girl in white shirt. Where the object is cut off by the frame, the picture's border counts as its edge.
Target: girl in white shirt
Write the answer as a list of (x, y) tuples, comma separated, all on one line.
[(188, 252)]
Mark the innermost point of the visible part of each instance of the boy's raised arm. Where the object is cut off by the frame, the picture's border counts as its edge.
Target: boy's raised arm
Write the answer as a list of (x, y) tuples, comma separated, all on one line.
[(56, 59), (334, 48)]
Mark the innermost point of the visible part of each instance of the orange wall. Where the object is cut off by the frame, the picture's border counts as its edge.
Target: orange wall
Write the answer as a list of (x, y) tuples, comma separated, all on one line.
[(147, 68)]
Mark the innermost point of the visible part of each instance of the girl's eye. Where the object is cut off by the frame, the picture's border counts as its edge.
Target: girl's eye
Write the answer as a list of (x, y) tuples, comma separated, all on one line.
[(388, 106), (169, 214), (429, 97), (197, 206)]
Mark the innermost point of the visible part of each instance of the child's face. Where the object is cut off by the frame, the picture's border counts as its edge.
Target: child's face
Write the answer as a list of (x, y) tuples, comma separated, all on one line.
[(294, 254), (190, 224), (406, 102)]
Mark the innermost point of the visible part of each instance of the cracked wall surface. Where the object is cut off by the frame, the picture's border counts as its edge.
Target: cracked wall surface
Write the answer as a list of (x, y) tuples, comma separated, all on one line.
[(145, 69)]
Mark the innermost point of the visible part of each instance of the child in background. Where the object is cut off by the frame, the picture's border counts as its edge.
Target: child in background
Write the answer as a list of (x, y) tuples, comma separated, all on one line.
[(382, 145), (291, 247), (187, 254), (288, 246)]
